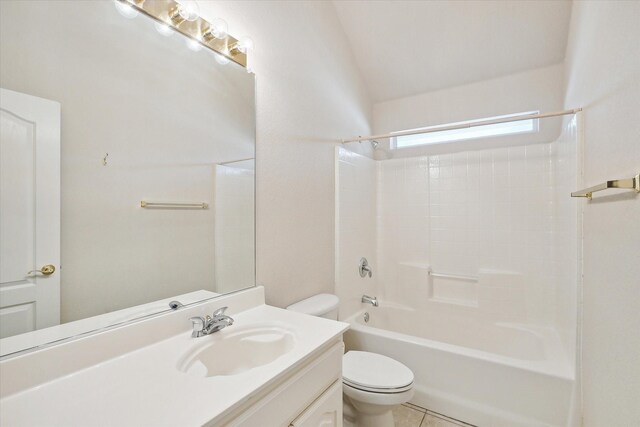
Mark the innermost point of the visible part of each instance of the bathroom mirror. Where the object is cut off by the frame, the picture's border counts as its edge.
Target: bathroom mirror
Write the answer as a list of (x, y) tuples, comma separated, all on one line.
[(152, 142)]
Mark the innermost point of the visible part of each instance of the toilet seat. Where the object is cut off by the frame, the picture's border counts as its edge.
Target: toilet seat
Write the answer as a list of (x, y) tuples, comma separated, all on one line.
[(375, 373)]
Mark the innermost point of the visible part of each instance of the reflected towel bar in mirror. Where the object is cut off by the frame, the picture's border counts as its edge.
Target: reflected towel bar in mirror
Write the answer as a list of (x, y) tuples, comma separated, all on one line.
[(628, 184), (184, 205)]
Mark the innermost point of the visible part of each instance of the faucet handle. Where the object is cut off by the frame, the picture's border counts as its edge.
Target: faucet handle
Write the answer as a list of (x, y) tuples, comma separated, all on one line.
[(364, 269), (197, 323), (220, 311)]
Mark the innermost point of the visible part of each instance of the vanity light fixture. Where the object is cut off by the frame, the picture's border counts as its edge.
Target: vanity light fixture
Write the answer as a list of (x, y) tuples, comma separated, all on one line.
[(163, 29), (194, 45), (243, 45), (222, 60), (125, 9), (184, 10), (188, 9), (183, 16), (216, 30)]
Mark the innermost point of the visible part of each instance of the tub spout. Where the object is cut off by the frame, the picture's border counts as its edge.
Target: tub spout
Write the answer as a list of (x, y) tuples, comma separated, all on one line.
[(370, 300)]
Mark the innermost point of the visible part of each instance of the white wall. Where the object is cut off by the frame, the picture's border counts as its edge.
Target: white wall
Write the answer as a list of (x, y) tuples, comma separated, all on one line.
[(540, 89), (355, 228), (603, 76), (309, 95), (234, 213)]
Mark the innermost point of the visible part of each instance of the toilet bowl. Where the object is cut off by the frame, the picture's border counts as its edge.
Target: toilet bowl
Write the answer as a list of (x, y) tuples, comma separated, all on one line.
[(372, 383)]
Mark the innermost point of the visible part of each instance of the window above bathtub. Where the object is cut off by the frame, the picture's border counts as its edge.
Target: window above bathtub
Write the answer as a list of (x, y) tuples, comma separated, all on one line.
[(434, 136)]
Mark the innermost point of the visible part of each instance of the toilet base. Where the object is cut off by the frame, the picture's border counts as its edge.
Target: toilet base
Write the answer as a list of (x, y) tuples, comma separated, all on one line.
[(366, 415), (363, 409)]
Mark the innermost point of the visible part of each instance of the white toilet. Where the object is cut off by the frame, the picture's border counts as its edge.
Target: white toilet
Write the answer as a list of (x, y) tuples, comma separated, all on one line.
[(372, 383)]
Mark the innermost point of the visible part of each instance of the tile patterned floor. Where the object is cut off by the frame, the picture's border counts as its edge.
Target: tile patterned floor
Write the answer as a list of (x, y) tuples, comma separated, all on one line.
[(409, 415)]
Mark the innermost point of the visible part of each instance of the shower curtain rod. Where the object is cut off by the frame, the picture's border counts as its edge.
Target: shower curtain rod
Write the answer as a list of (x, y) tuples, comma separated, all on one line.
[(463, 126)]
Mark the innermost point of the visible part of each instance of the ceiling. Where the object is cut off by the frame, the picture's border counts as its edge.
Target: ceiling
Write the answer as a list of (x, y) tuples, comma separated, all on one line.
[(405, 48)]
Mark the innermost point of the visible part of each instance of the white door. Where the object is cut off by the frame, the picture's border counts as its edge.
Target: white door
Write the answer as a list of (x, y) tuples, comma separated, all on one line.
[(29, 213)]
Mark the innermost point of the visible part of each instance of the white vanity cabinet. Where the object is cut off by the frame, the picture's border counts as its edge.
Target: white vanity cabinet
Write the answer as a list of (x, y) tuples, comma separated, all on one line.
[(301, 385), (326, 411), (311, 396)]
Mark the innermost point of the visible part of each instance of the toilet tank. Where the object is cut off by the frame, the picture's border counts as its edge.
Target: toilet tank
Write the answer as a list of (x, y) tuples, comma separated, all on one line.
[(322, 305)]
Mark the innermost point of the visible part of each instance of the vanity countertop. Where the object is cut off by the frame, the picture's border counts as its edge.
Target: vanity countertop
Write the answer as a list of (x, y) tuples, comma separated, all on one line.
[(146, 387)]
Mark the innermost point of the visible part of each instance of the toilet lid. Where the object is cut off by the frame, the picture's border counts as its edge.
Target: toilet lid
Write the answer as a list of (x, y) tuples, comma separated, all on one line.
[(375, 372), (317, 305)]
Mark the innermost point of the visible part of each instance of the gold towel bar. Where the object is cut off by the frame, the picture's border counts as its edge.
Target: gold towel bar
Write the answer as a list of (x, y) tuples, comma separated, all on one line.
[(202, 205), (628, 184)]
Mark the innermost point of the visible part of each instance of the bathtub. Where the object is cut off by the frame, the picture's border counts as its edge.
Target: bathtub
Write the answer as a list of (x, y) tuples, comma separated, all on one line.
[(484, 373)]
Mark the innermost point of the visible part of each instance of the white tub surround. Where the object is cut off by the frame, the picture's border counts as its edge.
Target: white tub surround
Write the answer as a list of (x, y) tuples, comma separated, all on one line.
[(142, 374), (475, 265), (471, 368)]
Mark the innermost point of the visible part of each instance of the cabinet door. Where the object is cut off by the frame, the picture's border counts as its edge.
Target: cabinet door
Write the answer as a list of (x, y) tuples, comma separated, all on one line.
[(325, 411)]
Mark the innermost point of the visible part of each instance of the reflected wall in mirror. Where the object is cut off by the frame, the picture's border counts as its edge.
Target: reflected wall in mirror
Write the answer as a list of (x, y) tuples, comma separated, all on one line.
[(98, 114)]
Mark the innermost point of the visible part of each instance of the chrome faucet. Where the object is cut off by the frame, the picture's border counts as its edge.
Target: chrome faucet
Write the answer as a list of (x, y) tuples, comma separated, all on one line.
[(364, 269), (370, 300), (210, 324)]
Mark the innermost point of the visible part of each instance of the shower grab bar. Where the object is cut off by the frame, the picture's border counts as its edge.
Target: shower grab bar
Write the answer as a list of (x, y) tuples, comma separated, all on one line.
[(454, 276), (627, 184), (145, 204)]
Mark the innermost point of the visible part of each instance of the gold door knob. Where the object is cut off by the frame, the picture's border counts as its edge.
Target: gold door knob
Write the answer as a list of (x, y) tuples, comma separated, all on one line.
[(47, 270)]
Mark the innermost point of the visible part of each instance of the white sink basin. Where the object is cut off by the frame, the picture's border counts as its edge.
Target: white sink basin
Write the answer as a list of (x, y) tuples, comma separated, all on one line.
[(236, 349)]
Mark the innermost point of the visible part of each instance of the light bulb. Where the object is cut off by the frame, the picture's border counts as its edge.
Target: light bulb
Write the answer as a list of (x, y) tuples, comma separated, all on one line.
[(219, 28), (194, 45), (125, 9), (163, 29), (188, 9), (245, 44), (221, 59)]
